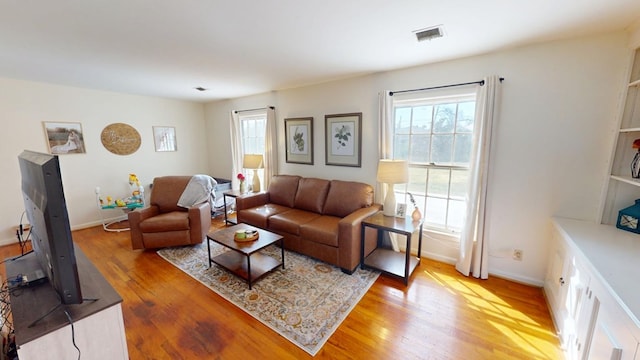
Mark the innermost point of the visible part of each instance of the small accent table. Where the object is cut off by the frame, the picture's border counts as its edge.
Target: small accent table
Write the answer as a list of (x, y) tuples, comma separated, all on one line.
[(245, 261), (233, 194), (396, 264)]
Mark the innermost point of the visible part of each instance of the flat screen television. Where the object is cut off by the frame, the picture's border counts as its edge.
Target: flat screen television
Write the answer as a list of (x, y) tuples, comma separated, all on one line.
[(46, 211)]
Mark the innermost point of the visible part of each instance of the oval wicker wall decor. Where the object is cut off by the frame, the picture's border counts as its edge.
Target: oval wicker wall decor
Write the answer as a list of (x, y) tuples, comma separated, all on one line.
[(120, 139)]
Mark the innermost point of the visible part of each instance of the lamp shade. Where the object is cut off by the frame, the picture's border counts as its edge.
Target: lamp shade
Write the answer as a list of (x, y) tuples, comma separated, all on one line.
[(252, 161), (393, 171)]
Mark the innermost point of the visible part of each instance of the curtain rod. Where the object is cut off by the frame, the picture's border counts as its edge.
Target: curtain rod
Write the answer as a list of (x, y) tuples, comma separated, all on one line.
[(239, 111), (480, 82)]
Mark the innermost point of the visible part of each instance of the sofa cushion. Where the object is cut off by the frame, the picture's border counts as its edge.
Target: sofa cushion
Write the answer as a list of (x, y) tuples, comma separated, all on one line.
[(175, 220), (290, 221), (323, 230), (282, 189), (311, 194), (346, 197), (259, 215)]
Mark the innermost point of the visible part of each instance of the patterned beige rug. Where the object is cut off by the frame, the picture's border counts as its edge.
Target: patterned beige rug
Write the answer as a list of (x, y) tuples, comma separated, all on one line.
[(305, 302)]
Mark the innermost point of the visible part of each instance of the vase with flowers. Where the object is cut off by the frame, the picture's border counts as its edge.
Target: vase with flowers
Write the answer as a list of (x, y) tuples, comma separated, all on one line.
[(415, 215), (241, 178)]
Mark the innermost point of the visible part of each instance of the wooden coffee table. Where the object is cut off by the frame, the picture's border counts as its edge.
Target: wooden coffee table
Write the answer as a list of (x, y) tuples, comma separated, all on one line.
[(245, 261)]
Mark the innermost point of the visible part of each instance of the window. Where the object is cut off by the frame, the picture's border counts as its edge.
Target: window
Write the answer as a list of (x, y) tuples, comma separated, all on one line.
[(253, 128), (434, 134)]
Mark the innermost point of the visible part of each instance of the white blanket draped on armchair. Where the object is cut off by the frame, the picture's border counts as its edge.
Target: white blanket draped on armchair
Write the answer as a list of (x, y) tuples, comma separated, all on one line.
[(199, 189)]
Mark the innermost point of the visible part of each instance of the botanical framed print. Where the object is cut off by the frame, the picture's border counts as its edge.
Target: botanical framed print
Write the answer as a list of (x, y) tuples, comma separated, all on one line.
[(164, 137), (299, 140), (343, 139), (64, 137)]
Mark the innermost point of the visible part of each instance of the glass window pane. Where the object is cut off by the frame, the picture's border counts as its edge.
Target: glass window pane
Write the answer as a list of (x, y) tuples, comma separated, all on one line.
[(402, 120), (456, 215), (417, 180), (459, 184), (466, 116), (401, 147), (444, 118), (435, 213), (438, 182), (419, 149), (421, 123), (441, 149), (462, 150)]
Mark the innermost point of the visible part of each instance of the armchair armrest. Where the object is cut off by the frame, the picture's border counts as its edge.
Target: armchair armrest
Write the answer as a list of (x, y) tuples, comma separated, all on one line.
[(349, 236), (247, 201), (135, 218), (199, 221)]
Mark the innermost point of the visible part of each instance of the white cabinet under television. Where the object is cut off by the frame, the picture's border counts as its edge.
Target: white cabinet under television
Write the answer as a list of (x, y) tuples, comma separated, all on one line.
[(592, 290)]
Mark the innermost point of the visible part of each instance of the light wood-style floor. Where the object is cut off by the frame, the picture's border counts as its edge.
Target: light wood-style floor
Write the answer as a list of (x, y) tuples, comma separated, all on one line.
[(440, 315)]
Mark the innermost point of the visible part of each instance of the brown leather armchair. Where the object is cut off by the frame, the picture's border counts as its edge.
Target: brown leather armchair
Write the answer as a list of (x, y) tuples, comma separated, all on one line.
[(164, 223)]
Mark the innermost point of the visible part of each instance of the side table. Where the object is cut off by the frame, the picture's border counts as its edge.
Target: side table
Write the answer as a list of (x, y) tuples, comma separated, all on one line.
[(231, 220), (396, 264)]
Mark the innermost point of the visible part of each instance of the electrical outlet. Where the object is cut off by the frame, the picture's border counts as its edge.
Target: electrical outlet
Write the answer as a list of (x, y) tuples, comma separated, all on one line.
[(517, 254)]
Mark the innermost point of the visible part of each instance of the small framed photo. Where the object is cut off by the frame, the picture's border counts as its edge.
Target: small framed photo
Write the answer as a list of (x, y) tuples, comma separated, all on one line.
[(64, 137), (164, 138), (343, 137), (401, 210), (299, 140)]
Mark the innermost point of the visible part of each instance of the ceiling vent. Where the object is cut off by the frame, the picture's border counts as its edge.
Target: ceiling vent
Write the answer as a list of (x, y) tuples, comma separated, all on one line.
[(429, 33)]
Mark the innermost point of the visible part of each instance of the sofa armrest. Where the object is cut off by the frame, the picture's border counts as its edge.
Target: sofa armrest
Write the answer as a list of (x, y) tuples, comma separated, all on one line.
[(135, 218), (199, 221), (251, 200), (349, 236)]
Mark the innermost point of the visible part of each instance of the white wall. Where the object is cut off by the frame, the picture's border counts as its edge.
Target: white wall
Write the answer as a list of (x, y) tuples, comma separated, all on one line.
[(554, 135), (25, 105)]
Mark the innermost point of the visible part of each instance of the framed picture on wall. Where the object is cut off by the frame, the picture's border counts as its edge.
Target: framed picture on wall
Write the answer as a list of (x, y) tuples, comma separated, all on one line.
[(64, 137), (299, 140), (164, 137), (343, 139)]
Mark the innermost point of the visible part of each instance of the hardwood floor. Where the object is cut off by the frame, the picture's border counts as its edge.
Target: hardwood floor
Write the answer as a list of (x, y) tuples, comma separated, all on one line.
[(440, 315)]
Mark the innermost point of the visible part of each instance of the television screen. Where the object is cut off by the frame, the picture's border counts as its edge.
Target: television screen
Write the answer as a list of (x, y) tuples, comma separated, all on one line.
[(46, 211)]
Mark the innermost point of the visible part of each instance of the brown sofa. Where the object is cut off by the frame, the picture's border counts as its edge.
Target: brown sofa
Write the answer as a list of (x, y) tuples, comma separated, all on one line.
[(318, 218), (164, 223)]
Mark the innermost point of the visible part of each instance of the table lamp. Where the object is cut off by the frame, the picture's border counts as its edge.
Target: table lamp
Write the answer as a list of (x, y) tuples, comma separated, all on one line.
[(254, 162), (392, 172)]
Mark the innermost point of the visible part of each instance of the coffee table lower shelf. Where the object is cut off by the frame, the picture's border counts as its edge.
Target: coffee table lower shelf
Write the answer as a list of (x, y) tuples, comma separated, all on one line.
[(248, 268)]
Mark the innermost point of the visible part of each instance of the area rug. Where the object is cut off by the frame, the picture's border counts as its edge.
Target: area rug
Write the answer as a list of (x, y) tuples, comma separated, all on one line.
[(305, 302)]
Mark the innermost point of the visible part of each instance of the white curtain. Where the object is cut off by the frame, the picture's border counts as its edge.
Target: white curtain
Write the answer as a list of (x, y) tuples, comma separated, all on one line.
[(270, 148), (237, 151), (474, 243), (385, 149), (385, 137)]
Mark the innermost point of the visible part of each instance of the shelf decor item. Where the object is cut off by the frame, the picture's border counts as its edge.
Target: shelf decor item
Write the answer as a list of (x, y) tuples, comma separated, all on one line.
[(628, 218), (635, 163)]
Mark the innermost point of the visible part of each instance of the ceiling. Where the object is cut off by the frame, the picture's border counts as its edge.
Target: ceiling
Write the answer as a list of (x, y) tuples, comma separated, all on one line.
[(235, 48)]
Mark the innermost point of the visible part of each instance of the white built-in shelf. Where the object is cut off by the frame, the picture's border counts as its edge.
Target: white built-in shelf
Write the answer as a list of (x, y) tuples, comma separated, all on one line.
[(627, 130), (634, 83), (626, 179)]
